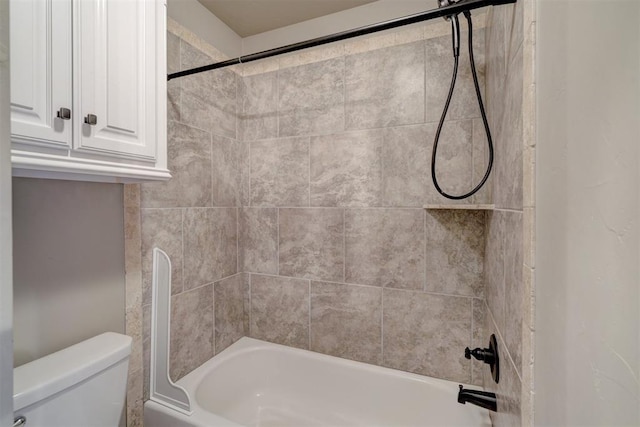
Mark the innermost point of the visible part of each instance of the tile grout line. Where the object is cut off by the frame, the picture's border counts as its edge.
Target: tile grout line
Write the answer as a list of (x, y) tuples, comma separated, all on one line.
[(316, 279), (199, 287), (351, 130)]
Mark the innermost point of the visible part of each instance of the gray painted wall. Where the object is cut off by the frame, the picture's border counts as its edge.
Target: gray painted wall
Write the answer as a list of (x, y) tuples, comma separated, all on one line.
[(587, 349), (68, 264)]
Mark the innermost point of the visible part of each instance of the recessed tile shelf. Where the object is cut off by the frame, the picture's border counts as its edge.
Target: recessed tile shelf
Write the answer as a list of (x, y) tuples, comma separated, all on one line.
[(468, 207)]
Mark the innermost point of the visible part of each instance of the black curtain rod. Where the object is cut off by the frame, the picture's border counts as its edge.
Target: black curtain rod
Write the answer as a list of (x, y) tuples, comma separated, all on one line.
[(453, 9)]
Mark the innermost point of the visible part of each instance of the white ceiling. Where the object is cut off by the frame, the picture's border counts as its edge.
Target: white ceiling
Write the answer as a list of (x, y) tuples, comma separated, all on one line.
[(250, 17)]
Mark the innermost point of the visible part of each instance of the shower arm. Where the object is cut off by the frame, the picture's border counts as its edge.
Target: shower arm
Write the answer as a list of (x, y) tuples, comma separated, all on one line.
[(441, 12)]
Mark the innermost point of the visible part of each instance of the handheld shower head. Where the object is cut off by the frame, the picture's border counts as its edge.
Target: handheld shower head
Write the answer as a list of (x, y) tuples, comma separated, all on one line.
[(455, 30), (455, 26), (455, 38)]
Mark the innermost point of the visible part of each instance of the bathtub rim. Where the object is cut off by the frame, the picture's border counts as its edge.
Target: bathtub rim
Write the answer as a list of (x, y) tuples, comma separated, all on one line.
[(203, 417)]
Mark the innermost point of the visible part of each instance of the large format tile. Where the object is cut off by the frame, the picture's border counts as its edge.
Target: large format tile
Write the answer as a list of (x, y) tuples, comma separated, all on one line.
[(405, 165), (514, 289), (455, 252), (228, 299), (385, 247), (346, 169), (161, 228), (189, 160), (209, 98), (427, 334), (311, 98), (385, 87), (259, 240), (280, 310), (191, 330), (345, 321), (280, 172), (225, 169), (210, 245), (439, 68), (311, 243), (258, 98)]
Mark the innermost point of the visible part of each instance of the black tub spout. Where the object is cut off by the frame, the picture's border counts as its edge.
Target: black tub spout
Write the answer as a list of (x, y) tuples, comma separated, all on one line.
[(480, 398)]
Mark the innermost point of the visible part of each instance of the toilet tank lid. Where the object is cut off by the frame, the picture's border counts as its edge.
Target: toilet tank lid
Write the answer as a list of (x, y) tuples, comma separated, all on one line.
[(55, 372)]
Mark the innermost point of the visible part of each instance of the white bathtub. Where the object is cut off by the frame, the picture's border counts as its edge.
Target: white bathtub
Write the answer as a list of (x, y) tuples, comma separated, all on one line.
[(255, 383)]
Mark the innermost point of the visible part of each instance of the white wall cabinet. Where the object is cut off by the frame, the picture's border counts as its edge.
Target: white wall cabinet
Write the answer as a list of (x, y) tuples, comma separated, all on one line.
[(88, 89)]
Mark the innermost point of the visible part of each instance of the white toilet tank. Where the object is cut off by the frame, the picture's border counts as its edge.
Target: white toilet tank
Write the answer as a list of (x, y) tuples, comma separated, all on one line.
[(84, 385)]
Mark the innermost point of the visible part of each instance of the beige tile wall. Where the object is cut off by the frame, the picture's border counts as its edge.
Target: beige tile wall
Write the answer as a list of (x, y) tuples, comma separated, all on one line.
[(295, 212), (340, 256)]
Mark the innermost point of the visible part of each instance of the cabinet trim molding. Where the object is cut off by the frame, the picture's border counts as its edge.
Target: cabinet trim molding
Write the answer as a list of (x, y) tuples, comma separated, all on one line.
[(30, 164)]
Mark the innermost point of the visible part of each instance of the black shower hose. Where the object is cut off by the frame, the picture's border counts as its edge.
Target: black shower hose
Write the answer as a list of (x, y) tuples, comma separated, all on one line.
[(456, 33)]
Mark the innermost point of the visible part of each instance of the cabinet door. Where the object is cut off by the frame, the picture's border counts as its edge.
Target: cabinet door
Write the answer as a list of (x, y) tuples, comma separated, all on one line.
[(41, 72), (116, 84)]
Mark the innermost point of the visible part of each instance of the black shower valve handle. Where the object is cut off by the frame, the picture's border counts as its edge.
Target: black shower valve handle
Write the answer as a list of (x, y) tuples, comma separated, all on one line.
[(484, 354), (487, 355)]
